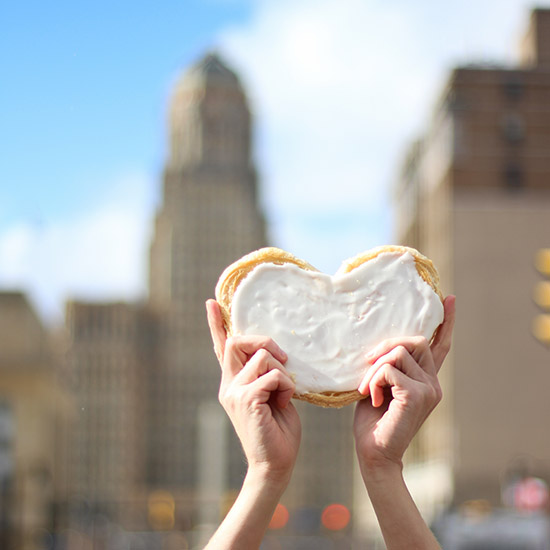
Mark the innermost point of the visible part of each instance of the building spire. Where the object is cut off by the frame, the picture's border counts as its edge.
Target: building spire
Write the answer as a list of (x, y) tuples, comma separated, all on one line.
[(209, 118), (211, 67)]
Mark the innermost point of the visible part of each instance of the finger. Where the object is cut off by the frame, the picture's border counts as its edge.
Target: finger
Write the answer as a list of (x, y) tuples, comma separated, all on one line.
[(423, 397), (400, 358), (417, 346), (442, 341), (386, 376), (217, 328), (274, 385), (240, 349), (259, 364)]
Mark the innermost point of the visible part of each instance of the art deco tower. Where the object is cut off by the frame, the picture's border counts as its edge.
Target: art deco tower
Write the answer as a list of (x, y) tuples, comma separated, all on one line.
[(208, 218), (145, 376)]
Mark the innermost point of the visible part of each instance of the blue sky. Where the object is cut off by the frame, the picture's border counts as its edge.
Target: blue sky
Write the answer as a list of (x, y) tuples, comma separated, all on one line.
[(83, 94), (338, 88)]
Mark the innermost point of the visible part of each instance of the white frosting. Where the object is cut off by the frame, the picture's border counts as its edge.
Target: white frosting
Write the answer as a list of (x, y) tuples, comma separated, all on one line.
[(327, 324)]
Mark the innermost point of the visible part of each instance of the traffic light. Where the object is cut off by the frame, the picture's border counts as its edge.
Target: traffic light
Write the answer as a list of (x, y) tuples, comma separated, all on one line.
[(541, 295)]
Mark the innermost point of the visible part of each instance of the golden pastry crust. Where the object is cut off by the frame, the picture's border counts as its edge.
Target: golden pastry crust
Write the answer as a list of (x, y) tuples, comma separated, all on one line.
[(234, 274), (424, 265)]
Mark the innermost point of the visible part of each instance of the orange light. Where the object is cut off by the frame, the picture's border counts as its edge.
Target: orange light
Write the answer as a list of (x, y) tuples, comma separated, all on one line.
[(162, 509), (162, 497), (542, 261), (280, 517), (541, 294), (541, 328), (335, 517)]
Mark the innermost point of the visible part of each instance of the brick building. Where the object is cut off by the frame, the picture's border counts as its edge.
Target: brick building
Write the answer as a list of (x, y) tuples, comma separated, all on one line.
[(474, 195)]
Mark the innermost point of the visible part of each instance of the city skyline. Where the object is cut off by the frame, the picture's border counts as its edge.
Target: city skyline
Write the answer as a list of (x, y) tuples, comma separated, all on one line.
[(129, 387), (96, 125)]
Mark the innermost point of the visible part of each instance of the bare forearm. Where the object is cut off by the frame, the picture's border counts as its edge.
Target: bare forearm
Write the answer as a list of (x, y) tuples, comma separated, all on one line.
[(403, 528), (246, 523)]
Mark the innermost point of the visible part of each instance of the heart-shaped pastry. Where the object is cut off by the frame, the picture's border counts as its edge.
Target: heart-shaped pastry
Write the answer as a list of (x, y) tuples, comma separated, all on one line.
[(327, 324)]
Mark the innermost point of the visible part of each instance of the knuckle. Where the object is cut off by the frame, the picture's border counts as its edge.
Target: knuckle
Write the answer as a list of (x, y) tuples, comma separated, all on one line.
[(401, 352), (445, 347), (231, 344), (263, 355), (386, 368), (438, 393), (224, 389), (381, 375), (266, 341), (433, 395), (272, 375), (222, 396), (230, 397), (421, 343)]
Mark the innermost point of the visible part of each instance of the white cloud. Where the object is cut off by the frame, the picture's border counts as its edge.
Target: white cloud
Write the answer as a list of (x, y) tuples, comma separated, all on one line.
[(340, 87), (333, 94), (98, 255)]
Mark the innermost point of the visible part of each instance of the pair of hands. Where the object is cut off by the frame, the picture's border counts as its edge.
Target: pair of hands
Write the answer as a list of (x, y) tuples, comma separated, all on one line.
[(256, 393)]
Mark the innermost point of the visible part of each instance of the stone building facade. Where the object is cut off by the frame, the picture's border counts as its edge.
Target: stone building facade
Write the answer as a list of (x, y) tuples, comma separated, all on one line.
[(209, 217), (35, 409), (108, 362), (144, 376)]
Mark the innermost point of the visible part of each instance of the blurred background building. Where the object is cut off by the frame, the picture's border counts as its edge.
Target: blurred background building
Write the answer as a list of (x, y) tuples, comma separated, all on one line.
[(116, 440), (35, 410), (474, 195), (144, 375)]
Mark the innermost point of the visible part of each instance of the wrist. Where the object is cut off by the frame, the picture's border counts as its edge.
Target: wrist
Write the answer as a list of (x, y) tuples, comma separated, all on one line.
[(266, 478), (381, 471), (248, 519)]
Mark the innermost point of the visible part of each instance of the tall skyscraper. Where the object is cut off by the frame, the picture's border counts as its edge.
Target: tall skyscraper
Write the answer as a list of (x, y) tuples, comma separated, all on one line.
[(209, 217), (474, 195), (142, 373)]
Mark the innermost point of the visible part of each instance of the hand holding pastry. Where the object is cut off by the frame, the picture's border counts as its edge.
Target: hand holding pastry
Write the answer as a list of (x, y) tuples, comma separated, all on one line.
[(255, 391), (403, 388), (389, 295)]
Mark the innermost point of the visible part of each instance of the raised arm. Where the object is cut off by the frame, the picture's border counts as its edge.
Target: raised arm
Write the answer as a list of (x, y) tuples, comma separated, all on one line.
[(404, 389), (255, 391)]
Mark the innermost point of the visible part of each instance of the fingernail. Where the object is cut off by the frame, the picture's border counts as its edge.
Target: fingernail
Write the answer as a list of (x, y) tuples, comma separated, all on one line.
[(282, 353)]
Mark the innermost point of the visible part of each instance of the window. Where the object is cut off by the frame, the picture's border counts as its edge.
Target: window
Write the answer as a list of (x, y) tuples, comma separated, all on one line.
[(513, 127), (513, 177)]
